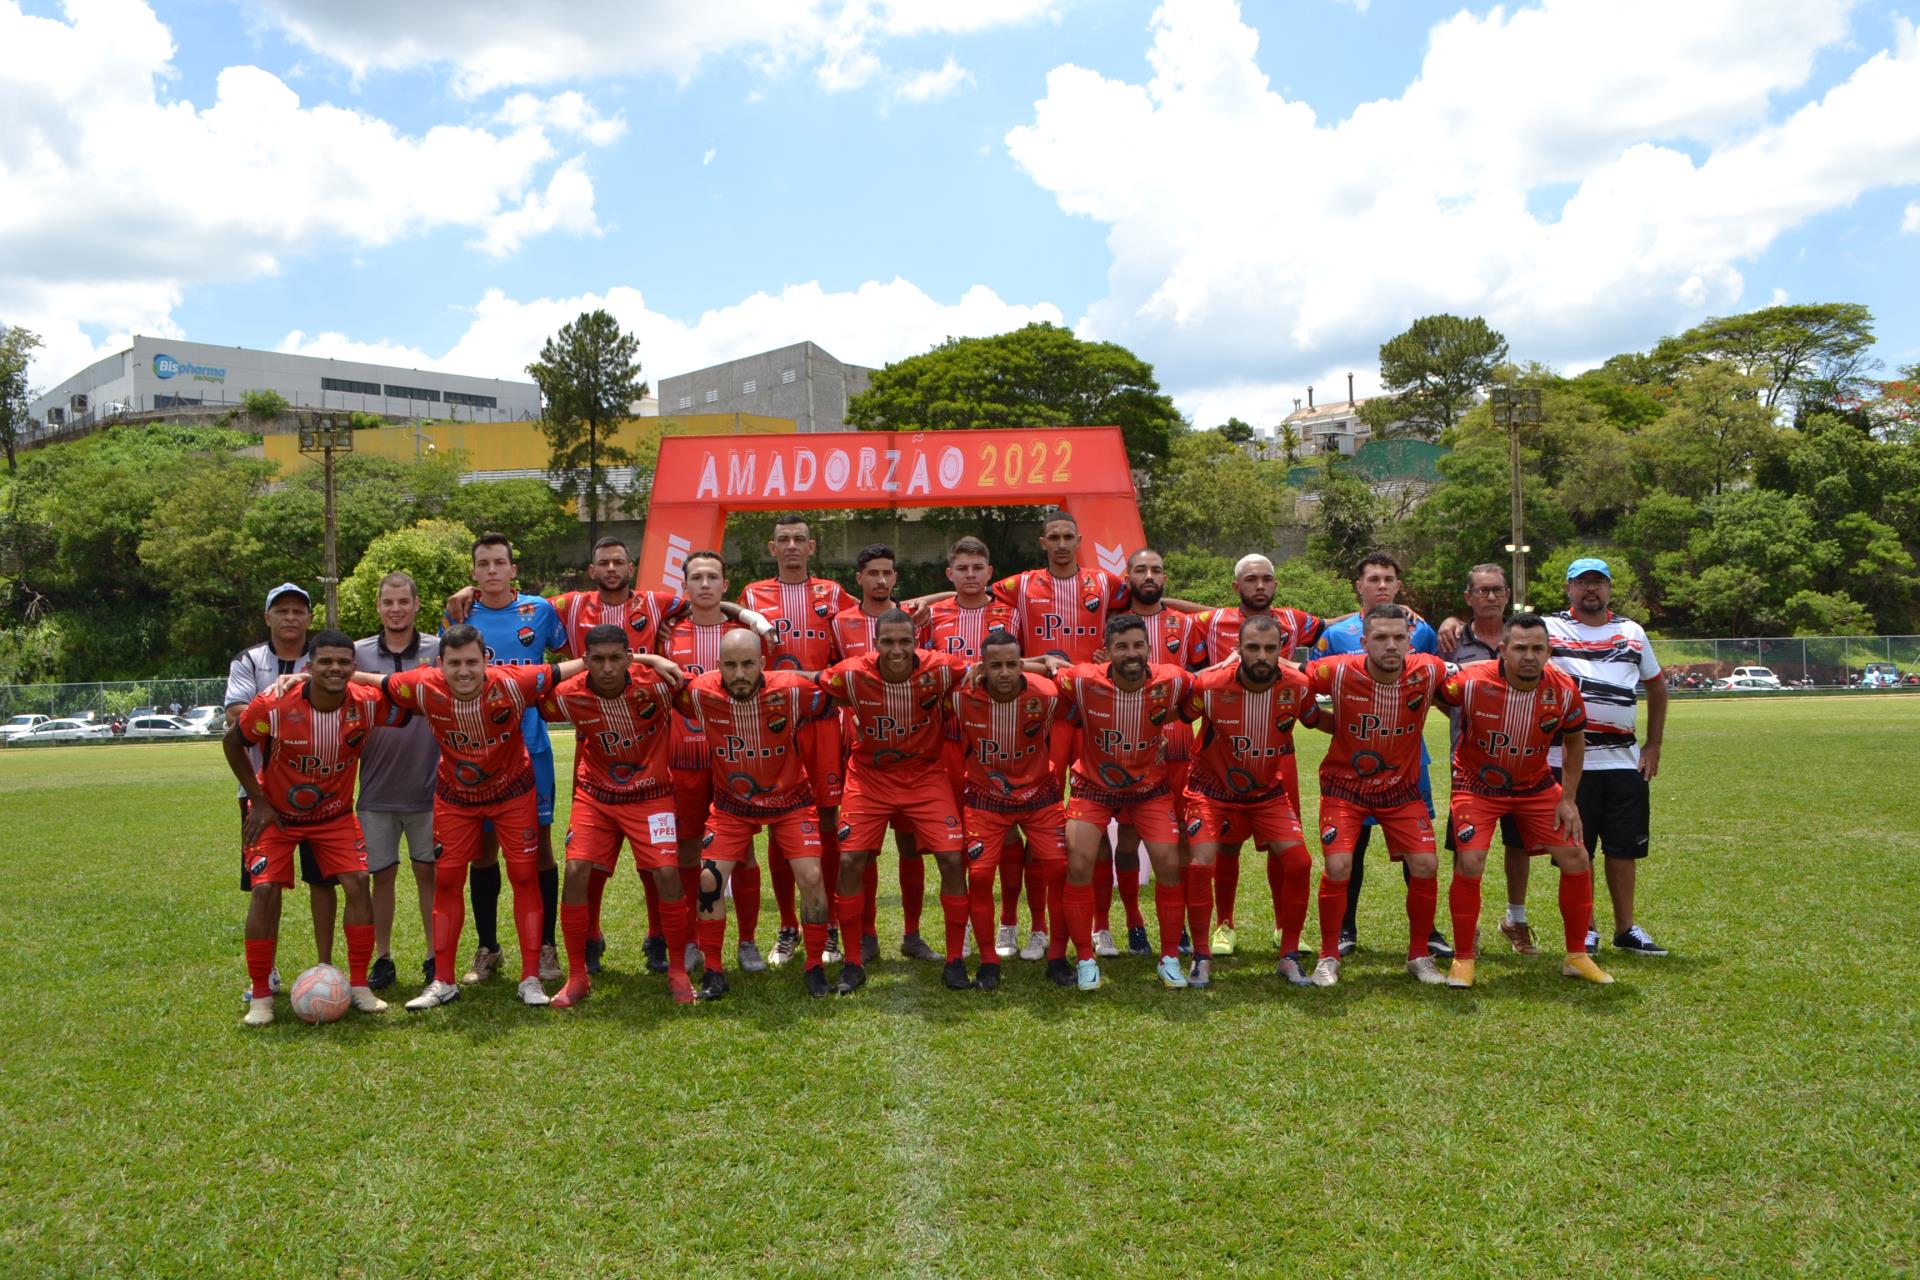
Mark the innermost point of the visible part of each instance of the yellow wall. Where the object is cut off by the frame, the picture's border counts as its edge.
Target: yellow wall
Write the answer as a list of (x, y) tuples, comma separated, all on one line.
[(519, 446)]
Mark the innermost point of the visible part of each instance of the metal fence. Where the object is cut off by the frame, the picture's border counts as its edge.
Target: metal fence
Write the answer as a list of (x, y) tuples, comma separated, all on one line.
[(110, 698), (1819, 661)]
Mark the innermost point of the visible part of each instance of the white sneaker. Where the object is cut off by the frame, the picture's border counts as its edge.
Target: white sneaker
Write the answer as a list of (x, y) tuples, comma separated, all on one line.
[(485, 961), (1423, 968), (259, 1012), (1103, 944), (1327, 972), (1036, 948), (365, 1001), (531, 992), (273, 987), (1006, 941), (436, 994), (550, 970)]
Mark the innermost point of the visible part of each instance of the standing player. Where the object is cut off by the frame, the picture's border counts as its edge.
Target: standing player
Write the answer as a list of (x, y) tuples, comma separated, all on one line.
[(1376, 581), (958, 625), (898, 699), (1380, 702), (622, 789), (396, 778), (1120, 772), (754, 722), (1240, 787), (1003, 723), (311, 739), (1511, 713), (1216, 635)]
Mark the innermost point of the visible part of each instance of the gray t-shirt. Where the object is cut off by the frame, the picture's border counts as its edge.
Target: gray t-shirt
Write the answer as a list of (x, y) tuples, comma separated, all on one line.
[(250, 674), (397, 765)]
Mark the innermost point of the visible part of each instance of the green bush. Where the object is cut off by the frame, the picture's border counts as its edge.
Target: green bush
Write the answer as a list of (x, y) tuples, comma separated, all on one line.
[(437, 554)]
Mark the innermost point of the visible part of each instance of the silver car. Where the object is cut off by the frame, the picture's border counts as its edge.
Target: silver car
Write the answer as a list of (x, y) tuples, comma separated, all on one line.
[(64, 731), (142, 728)]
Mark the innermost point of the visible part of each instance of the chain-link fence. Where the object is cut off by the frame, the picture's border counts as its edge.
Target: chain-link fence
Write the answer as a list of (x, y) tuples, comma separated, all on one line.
[(109, 699), (1803, 661)]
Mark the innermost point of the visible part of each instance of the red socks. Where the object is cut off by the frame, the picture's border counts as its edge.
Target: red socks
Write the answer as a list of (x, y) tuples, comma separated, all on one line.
[(1226, 888), (954, 910), (359, 952), (575, 923), (647, 885), (1423, 900), (1199, 883), (746, 900), (1013, 861), (1077, 905), (1053, 891), (781, 873), (870, 897), (529, 913), (980, 907), (814, 936), (597, 890), (1038, 872), (449, 916), (1169, 908), (1129, 887), (913, 892), (260, 965), (1293, 867), (848, 908), (1333, 909), (674, 917), (1576, 907), (1103, 893), (1463, 904), (713, 941)]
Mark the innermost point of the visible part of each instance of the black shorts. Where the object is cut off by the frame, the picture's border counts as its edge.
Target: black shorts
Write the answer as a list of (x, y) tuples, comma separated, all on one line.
[(1615, 811), (1509, 834), (309, 865)]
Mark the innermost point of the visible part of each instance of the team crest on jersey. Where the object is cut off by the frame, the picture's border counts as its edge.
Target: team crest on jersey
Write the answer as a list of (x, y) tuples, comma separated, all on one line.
[(845, 832), (647, 710), (1329, 834), (257, 866), (501, 716), (975, 850), (1193, 827), (776, 724), (1033, 730), (1091, 604), (1549, 723), (706, 839), (809, 828), (525, 636), (1173, 644), (822, 609), (355, 738), (1416, 700), (1157, 716)]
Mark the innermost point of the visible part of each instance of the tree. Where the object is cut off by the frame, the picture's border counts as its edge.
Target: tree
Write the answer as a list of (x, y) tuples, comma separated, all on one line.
[(1344, 520), (374, 495), (1801, 354), (1815, 613), (1714, 435), (436, 552), (17, 346), (1434, 369), (1212, 496), (1234, 431), (1287, 436), (1468, 520), (264, 406), (195, 549), (589, 377), (527, 511)]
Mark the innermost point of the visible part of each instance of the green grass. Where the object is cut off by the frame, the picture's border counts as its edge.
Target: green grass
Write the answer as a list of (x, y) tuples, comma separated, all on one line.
[(1746, 1107)]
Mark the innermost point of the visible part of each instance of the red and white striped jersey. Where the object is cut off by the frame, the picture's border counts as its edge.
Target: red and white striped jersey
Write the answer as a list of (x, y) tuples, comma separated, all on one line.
[(1066, 617), (1216, 633), (621, 743), (1246, 735), (897, 724), (802, 617), (312, 757), (1375, 756), (642, 615), (695, 649), (759, 769), (1505, 732), (1122, 741), (483, 755), (1004, 746), (954, 628)]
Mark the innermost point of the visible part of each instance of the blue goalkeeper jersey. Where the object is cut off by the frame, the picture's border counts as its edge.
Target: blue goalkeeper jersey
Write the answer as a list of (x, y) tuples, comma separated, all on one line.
[(520, 634)]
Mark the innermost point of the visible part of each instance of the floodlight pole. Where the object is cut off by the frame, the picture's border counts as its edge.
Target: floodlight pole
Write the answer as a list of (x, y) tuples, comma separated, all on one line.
[(320, 436), (1515, 407)]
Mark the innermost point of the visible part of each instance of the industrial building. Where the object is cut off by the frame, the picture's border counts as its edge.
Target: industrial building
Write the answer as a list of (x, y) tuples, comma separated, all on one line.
[(803, 383)]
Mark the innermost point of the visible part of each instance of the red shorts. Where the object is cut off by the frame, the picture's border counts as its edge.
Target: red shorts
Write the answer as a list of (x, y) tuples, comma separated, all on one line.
[(1474, 818), (594, 832), (1153, 819), (1224, 823), (955, 766), (826, 764), (1063, 743), (987, 832), (915, 801), (692, 797), (795, 834), (516, 825), (1408, 827), (336, 843)]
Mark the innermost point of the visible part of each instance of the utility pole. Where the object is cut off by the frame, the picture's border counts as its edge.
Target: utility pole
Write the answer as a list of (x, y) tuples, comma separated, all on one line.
[(1513, 408), (322, 436)]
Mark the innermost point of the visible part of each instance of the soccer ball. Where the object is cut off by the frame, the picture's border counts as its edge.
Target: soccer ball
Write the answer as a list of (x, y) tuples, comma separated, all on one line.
[(320, 994)]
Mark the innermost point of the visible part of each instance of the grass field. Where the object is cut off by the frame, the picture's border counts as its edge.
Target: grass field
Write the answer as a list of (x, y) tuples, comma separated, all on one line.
[(1745, 1107)]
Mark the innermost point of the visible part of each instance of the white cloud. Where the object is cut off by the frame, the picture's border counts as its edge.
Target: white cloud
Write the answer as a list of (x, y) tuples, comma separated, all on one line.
[(567, 112), (927, 86), (870, 325), (1254, 244), (1910, 221), (1779, 298), (707, 159), (119, 197), (492, 44)]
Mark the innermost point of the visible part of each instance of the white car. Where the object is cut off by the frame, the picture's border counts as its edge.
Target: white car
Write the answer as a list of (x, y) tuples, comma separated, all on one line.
[(1761, 678), (1752, 684), (207, 719), (142, 727), (63, 731), (19, 725)]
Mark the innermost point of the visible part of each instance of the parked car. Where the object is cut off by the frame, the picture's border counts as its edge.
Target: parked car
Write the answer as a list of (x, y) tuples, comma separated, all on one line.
[(19, 725), (1751, 684), (1880, 675), (1762, 674), (161, 727), (210, 719), (68, 730)]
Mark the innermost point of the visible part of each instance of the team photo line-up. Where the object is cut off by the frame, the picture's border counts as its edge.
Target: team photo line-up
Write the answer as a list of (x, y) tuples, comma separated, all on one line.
[(1032, 734)]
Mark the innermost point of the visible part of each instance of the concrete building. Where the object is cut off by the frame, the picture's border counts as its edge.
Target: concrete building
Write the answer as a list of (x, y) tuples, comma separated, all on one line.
[(1329, 428), (164, 373), (802, 382)]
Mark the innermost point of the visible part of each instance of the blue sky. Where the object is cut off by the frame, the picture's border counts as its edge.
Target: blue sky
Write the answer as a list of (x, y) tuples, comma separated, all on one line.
[(1251, 196)]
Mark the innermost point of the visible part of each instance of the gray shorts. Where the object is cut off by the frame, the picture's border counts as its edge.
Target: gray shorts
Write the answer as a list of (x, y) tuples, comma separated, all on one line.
[(382, 831)]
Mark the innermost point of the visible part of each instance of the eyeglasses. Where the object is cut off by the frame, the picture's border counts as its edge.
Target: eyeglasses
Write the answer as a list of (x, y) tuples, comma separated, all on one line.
[(1487, 591)]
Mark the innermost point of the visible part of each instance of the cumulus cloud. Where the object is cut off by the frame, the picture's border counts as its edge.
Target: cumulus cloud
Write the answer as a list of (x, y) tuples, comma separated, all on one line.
[(1910, 221), (1254, 244), (567, 112), (927, 86)]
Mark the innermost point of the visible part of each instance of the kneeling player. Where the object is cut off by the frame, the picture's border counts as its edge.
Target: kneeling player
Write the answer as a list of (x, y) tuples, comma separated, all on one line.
[(1005, 725), (311, 734), (752, 720), (1239, 785), (1512, 710), (622, 789)]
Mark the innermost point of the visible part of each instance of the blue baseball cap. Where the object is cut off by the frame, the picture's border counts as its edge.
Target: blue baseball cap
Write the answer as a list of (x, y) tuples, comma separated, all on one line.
[(289, 589), (1589, 564)]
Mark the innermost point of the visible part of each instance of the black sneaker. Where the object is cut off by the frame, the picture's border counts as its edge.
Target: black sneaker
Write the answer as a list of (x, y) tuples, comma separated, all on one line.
[(1061, 972), (852, 978), (988, 979), (1349, 943), (1186, 942), (1137, 940), (870, 949), (831, 953), (656, 949), (382, 975), (713, 985), (1638, 941), (815, 981), (597, 947), (912, 947), (954, 975), (1438, 947)]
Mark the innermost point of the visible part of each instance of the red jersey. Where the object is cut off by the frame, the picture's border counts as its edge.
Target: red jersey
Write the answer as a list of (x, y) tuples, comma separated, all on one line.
[(1170, 632), (312, 756), (1123, 743), (802, 617), (483, 757), (1246, 736), (622, 742), (1216, 633), (953, 628), (759, 768), (641, 615), (853, 633), (1504, 732), (1005, 746), (1375, 756), (896, 725), (1066, 617), (694, 648)]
